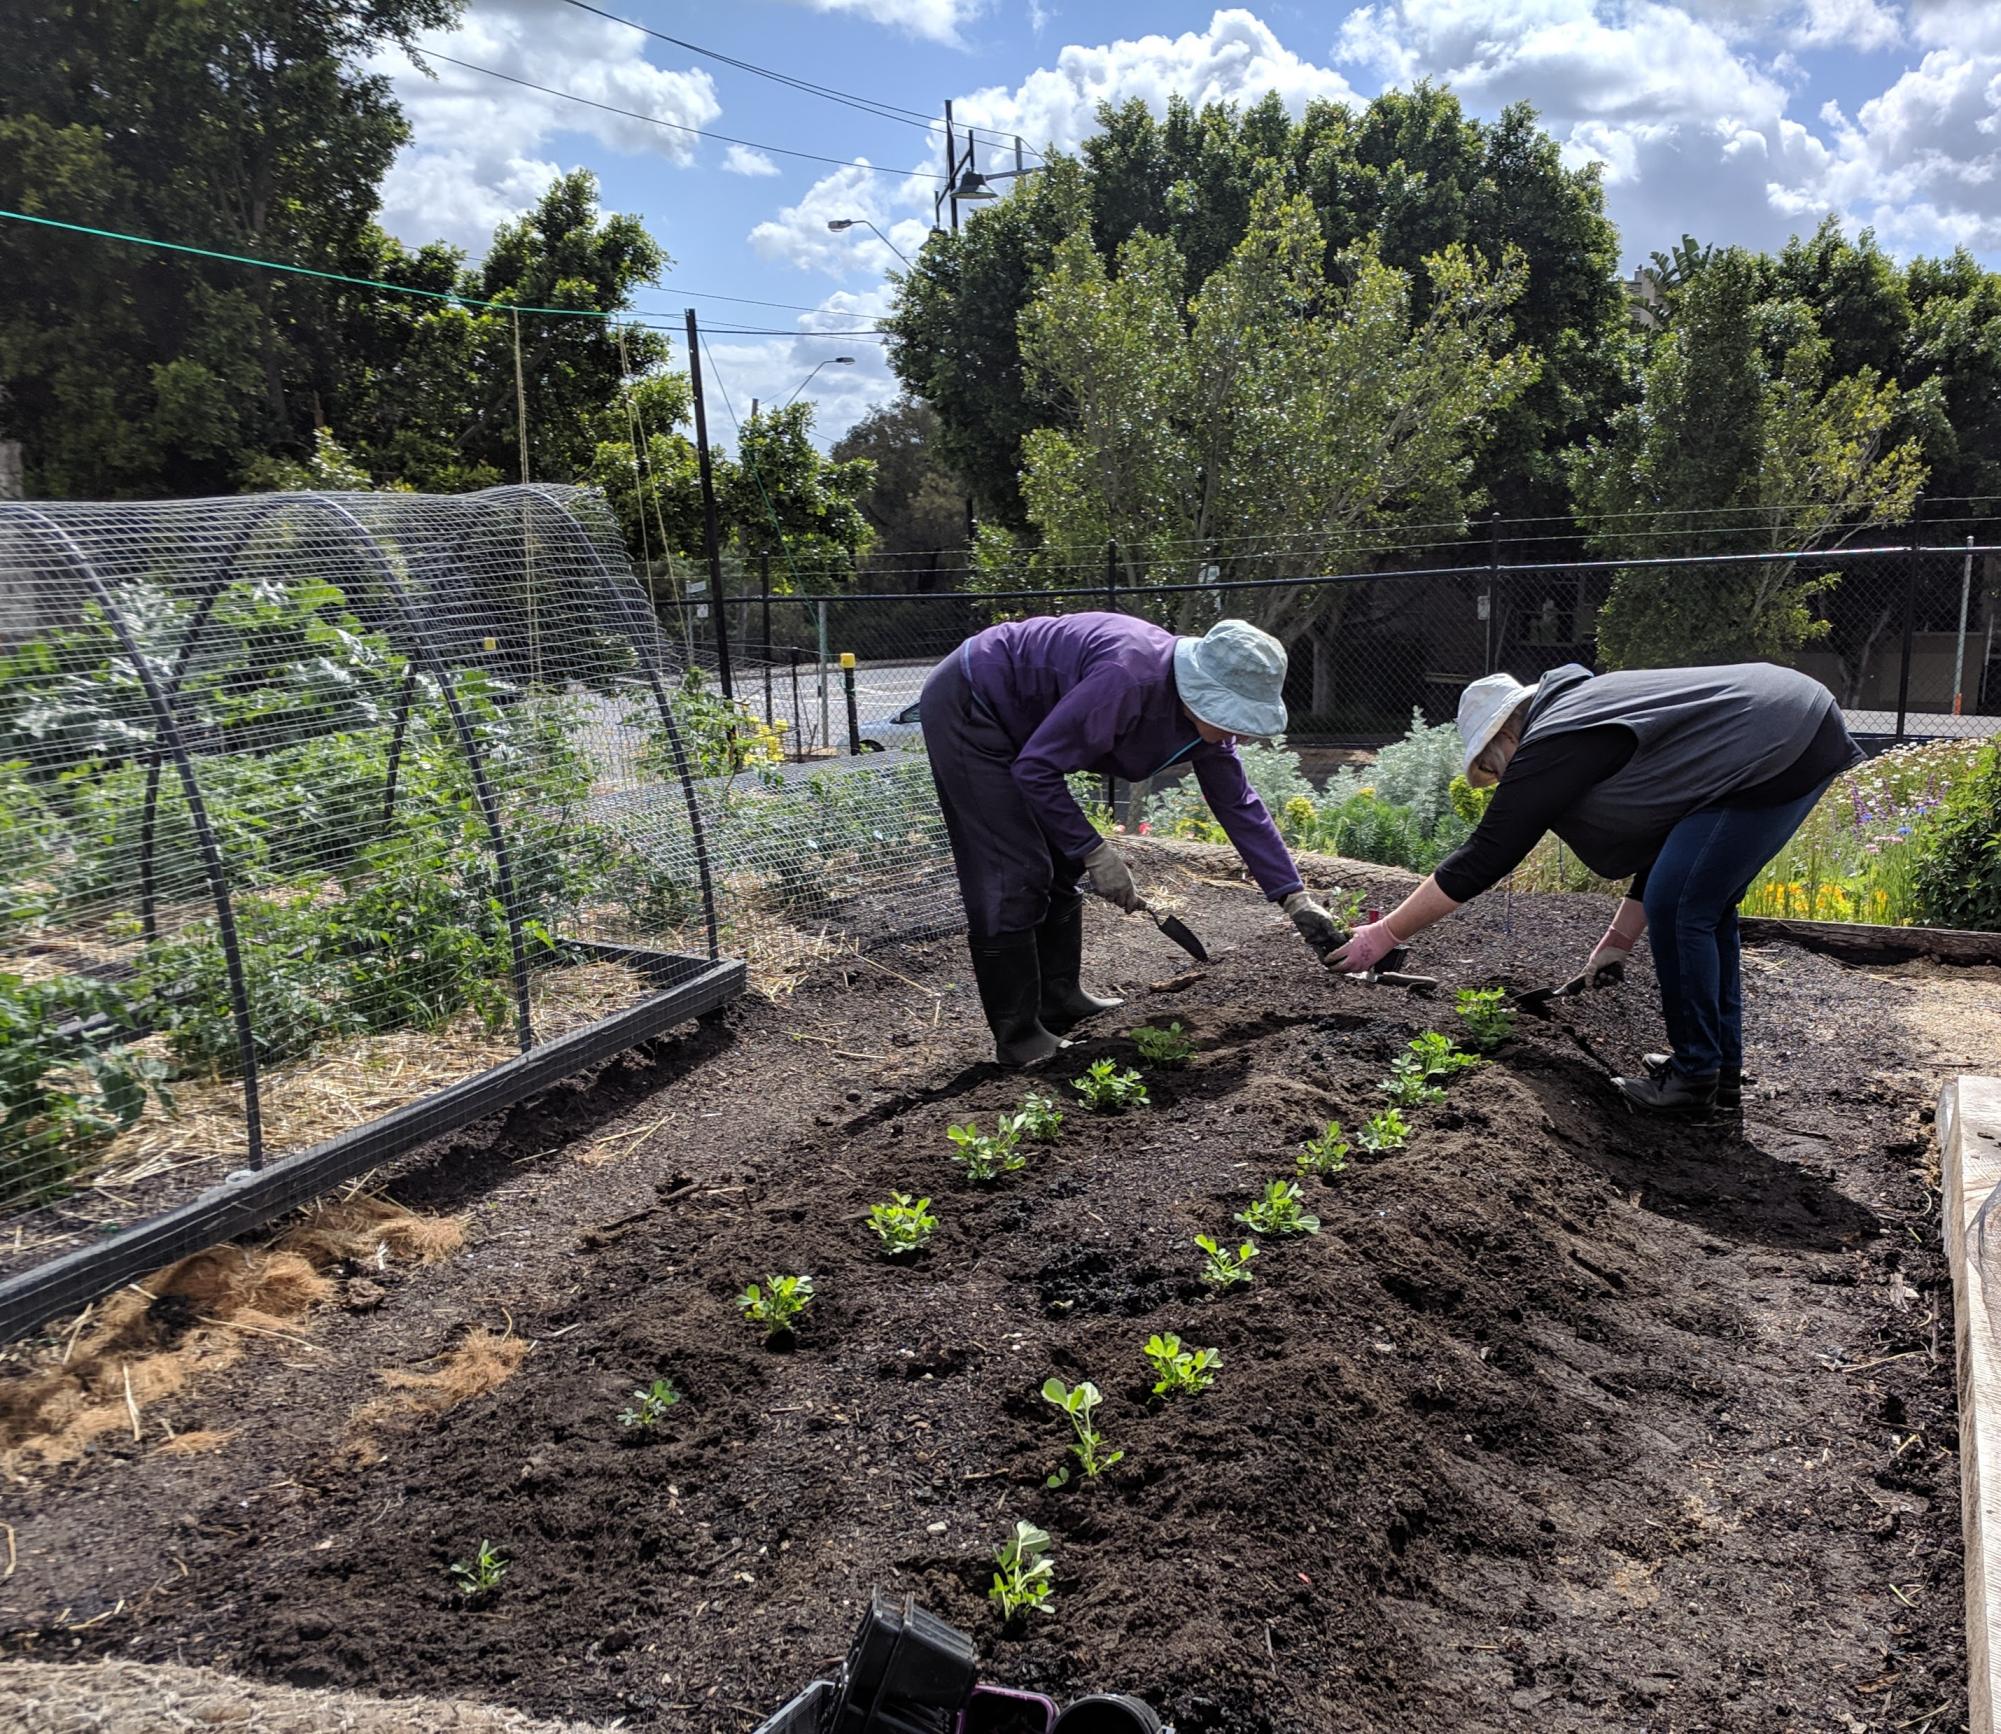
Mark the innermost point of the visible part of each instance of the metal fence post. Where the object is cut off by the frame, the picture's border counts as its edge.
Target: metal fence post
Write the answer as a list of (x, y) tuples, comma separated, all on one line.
[(764, 589), (1959, 649), (854, 720), (1112, 607), (826, 727), (1493, 581), (1910, 614), (711, 535)]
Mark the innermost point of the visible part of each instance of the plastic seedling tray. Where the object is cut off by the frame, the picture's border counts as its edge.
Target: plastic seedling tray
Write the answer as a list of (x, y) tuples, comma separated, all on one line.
[(908, 1672), (804, 1714), (996, 1710)]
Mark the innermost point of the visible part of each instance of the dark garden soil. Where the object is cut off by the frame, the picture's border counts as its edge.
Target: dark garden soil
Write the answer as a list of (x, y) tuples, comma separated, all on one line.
[(1565, 1420)]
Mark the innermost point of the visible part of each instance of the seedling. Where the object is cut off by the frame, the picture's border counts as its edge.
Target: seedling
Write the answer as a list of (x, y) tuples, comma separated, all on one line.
[(1326, 1154), (1488, 1017), (1408, 1087), (1168, 1048), (1182, 1372), (1278, 1212), (1107, 1090), (1388, 1130), (481, 1574), (774, 1306), (1026, 1574), (986, 1158), (1079, 1402), (1222, 1268), (904, 1223), (1039, 1118), (1439, 1057), (650, 1406)]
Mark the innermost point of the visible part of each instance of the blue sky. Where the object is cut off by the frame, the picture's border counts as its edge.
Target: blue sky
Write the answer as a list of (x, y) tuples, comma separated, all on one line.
[(1736, 120)]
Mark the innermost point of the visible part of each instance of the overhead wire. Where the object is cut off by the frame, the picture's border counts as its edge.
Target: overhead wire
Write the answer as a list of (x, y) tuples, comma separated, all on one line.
[(677, 126), (866, 104)]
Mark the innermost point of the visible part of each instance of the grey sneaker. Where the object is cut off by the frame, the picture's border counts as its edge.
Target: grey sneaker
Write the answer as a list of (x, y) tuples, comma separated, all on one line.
[(1729, 1084)]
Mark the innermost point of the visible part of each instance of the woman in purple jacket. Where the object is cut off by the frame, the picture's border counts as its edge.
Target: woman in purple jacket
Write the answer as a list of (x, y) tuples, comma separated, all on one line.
[(1020, 707)]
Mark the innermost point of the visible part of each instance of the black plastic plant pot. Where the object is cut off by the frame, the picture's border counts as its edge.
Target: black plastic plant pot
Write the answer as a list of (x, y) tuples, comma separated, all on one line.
[(996, 1710), (908, 1673), (804, 1715), (1108, 1713)]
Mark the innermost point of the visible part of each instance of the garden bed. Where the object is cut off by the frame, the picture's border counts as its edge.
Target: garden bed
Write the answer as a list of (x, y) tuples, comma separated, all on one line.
[(1564, 1419)]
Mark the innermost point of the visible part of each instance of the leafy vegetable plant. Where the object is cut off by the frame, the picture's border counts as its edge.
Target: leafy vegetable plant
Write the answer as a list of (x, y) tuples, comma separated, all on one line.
[(1222, 1268), (1407, 1086), (1079, 1402), (1278, 1212), (1440, 1057), (1180, 1372), (1039, 1118), (481, 1574), (1487, 1015), (1025, 1574), (650, 1406), (1107, 1090), (1325, 1154), (905, 1224), (1388, 1130), (988, 1158), (1168, 1048), (774, 1306)]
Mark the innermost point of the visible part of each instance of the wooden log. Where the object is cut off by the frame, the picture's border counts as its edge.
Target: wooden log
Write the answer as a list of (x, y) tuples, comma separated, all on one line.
[(1857, 942), (1969, 1131)]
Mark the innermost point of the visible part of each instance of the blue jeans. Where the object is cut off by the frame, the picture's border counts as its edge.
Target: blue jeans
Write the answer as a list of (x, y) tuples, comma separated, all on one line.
[(1704, 868)]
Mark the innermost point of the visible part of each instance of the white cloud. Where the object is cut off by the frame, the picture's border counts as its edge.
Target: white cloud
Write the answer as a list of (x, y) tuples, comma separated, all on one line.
[(472, 158), (933, 20), (769, 371), (1973, 25), (799, 235), (742, 160)]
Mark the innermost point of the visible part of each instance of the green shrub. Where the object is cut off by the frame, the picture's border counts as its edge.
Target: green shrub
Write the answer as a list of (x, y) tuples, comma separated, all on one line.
[(1957, 879)]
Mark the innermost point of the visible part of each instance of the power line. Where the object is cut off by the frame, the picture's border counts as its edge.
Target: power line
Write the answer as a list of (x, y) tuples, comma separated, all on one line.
[(752, 301), (867, 104), (676, 126)]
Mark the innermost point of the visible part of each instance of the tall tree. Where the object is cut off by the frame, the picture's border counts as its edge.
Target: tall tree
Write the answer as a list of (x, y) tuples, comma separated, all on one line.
[(1739, 421), (1279, 415), (241, 126), (1411, 174), (916, 505)]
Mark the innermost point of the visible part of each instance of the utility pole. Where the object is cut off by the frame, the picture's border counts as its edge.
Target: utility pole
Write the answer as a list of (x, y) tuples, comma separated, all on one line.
[(711, 536)]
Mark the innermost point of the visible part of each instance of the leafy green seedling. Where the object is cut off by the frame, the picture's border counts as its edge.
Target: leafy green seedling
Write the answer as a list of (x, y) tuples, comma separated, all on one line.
[(774, 1306), (1079, 1402), (905, 1224), (1388, 1130), (650, 1406), (984, 1158), (1325, 1154), (1039, 1118), (1182, 1372), (1222, 1268), (1026, 1574), (1408, 1087), (1278, 1212), (1168, 1048), (481, 1574), (1488, 1017), (1439, 1057), (1107, 1090)]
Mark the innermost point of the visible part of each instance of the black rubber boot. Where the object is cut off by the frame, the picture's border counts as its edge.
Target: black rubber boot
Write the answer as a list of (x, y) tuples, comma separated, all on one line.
[(1059, 948), (1670, 1094), (1010, 983), (1729, 1084)]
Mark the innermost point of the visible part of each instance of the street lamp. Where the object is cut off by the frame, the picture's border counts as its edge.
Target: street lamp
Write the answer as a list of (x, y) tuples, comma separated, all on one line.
[(839, 225), (831, 361)]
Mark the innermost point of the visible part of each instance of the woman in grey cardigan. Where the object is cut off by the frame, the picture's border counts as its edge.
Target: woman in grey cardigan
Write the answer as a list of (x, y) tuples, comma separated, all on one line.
[(1688, 780)]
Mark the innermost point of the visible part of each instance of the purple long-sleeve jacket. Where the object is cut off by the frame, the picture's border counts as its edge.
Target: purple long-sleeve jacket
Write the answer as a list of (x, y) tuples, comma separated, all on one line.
[(1095, 692)]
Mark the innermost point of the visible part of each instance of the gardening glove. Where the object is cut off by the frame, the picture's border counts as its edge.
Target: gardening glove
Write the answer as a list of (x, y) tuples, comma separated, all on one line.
[(1366, 948), (1111, 878), (1316, 926), (1607, 962)]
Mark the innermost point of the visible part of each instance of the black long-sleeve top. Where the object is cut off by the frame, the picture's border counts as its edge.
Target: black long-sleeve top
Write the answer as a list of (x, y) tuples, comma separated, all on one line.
[(1545, 776)]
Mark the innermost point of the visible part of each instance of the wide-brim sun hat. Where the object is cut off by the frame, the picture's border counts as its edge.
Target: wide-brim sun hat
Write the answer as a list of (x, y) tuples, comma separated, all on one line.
[(1484, 707), (1233, 678)]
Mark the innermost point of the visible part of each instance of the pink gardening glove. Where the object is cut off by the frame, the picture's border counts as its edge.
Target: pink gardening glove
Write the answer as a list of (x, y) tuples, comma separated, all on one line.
[(1367, 946)]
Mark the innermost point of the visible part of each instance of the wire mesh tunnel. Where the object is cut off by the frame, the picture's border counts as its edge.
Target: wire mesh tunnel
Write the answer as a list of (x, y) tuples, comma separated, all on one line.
[(326, 822)]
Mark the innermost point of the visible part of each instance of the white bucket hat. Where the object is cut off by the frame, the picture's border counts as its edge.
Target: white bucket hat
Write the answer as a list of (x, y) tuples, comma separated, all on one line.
[(1233, 678), (1484, 707)]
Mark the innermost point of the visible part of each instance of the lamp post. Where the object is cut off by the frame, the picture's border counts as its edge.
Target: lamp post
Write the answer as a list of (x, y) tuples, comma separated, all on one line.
[(831, 361), (840, 225)]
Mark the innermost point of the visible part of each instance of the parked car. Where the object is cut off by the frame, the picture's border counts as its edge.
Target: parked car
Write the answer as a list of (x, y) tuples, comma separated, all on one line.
[(901, 730)]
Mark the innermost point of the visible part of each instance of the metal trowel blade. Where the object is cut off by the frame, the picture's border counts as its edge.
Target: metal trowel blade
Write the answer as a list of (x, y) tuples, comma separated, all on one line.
[(1177, 930)]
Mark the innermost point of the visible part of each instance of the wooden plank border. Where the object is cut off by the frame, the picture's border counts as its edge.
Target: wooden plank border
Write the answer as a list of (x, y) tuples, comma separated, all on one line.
[(1969, 1131), (1860, 942)]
